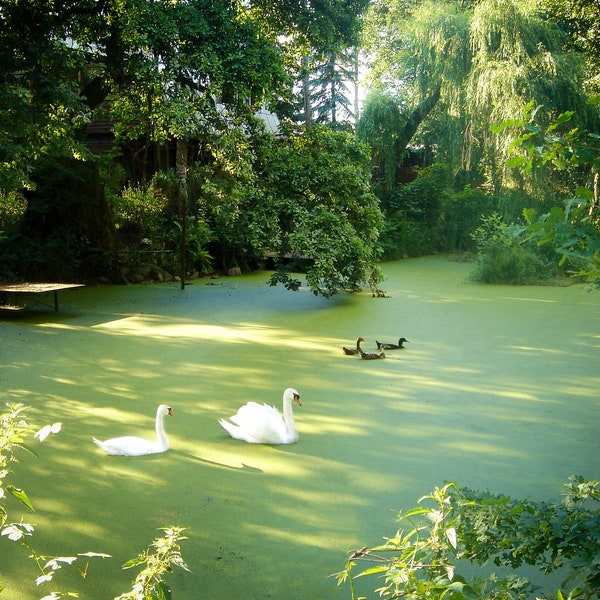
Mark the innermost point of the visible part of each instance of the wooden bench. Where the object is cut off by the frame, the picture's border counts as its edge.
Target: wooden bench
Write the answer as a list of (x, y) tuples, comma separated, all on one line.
[(10, 292), (12, 307)]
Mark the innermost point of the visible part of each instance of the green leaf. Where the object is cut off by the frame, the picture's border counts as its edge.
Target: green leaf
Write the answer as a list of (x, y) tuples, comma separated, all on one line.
[(505, 124), (163, 592), (563, 118), (585, 193), (516, 161), (373, 570), (134, 562), (416, 511), (21, 496)]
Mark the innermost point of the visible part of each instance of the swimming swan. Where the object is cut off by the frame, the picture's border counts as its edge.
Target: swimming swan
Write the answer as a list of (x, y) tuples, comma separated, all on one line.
[(262, 424), (135, 446)]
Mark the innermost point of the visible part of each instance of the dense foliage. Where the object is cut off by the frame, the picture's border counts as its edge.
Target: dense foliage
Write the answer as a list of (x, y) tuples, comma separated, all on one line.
[(163, 73), (302, 200), (569, 232), (457, 67), (176, 87), (441, 73), (454, 526)]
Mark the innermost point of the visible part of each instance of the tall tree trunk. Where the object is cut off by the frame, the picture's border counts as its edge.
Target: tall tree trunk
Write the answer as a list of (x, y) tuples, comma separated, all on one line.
[(333, 107), (308, 120), (417, 117), (596, 199), (181, 164), (356, 67)]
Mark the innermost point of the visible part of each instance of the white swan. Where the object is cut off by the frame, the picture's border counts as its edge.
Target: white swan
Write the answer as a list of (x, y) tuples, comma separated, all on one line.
[(262, 424), (135, 446)]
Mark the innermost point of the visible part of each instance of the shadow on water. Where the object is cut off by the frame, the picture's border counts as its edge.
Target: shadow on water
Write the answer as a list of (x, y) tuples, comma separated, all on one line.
[(497, 389)]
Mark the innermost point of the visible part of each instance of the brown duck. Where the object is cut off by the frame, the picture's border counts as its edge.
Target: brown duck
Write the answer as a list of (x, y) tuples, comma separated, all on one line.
[(352, 351), (386, 346), (368, 355)]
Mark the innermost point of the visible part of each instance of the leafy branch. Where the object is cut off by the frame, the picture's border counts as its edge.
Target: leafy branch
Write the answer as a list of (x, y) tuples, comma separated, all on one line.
[(453, 525)]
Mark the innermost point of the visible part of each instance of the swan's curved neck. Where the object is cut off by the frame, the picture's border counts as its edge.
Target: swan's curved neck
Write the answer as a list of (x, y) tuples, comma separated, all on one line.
[(288, 416), (163, 442)]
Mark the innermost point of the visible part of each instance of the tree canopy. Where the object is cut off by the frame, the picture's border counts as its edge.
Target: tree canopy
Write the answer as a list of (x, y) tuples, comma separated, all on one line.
[(477, 63), (163, 67)]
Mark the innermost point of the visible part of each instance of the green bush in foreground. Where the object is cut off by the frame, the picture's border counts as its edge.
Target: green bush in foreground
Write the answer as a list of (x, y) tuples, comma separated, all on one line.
[(157, 560), (453, 526)]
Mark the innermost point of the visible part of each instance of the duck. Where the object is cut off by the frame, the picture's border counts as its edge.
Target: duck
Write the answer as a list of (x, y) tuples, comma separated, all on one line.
[(352, 351), (130, 445), (369, 355), (263, 424), (386, 346)]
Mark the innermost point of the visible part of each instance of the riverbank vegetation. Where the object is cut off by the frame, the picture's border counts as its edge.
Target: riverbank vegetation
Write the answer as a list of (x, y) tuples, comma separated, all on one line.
[(453, 527), (153, 141)]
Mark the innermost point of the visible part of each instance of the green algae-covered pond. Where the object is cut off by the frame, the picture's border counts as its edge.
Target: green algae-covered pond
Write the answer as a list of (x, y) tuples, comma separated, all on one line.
[(497, 389)]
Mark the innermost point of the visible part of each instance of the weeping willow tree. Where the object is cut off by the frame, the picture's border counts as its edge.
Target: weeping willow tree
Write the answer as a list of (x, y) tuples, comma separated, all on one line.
[(381, 125), (478, 63), (518, 57)]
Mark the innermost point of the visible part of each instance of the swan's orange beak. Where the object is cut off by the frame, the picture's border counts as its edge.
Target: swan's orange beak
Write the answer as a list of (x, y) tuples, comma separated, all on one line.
[(297, 400), (170, 413)]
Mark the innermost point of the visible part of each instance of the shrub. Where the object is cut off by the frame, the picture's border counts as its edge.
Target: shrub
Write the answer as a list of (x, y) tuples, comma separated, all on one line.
[(505, 256), (402, 237), (197, 237), (12, 209), (454, 526), (303, 199), (460, 214), (140, 212), (420, 199), (571, 233), (413, 214)]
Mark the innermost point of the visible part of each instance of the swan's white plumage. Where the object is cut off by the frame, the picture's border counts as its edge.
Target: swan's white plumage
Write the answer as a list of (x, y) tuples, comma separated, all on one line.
[(130, 445), (262, 424)]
